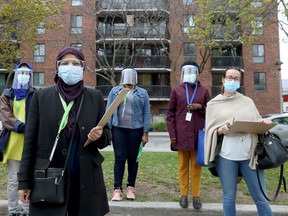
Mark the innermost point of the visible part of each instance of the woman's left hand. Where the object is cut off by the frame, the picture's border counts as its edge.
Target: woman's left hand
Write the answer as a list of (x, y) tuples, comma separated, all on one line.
[(266, 121), (145, 138), (95, 133)]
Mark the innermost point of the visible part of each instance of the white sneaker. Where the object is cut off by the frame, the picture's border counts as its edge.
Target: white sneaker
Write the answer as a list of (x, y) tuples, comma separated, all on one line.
[(117, 195), (130, 194)]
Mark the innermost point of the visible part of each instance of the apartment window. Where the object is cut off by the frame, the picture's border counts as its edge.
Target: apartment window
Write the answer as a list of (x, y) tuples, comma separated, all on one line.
[(257, 26), (189, 52), (256, 3), (41, 29), (258, 53), (259, 81), (38, 78), (77, 2), (39, 53), (188, 23), (76, 24), (76, 45), (188, 2)]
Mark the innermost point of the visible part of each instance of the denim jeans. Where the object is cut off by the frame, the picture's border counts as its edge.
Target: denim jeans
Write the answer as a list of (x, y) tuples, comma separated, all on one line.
[(228, 173), (126, 144), (12, 189)]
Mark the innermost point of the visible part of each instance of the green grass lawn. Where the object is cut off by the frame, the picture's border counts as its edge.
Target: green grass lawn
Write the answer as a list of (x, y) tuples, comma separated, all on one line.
[(158, 180)]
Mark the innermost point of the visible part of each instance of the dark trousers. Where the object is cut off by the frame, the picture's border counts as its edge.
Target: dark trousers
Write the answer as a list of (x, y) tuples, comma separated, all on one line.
[(126, 144)]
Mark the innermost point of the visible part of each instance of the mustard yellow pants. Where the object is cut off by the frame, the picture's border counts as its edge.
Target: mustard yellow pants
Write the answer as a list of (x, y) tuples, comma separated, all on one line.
[(189, 169)]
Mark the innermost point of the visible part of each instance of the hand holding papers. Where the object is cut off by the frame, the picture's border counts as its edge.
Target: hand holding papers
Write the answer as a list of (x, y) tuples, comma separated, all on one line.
[(249, 127), (110, 110)]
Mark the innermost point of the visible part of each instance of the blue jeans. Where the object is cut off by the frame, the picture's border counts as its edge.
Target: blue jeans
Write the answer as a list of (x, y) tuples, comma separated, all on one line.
[(228, 173), (126, 144)]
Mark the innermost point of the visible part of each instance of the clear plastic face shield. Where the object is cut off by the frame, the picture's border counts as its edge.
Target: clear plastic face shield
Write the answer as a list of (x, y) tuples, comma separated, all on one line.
[(189, 74), (129, 77), (22, 78)]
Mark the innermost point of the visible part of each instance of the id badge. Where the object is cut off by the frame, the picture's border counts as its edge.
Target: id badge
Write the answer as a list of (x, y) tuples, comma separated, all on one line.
[(188, 116)]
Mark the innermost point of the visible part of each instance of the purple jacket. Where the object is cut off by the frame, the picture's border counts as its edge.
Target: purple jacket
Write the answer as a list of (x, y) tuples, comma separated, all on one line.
[(186, 132)]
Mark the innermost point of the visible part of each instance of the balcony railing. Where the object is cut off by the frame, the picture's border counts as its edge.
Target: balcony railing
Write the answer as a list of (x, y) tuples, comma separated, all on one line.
[(226, 61), (133, 32), (221, 32), (155, 61), (133, 4), (154, 91)]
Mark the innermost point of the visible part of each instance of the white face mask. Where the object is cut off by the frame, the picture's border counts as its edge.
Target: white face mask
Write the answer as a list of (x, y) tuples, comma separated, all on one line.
[(70, 74), (190, 78), (23, 79)]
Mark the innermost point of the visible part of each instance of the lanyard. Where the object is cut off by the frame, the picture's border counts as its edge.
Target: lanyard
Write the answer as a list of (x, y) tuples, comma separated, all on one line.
[(63, 123), (187, 94), (125, 97)]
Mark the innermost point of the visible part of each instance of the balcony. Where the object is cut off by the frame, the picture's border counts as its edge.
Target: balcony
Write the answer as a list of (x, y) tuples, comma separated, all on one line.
[(226, 61), (156, 61), (123, 31), (154, 91), (133, 4), (221, 32)]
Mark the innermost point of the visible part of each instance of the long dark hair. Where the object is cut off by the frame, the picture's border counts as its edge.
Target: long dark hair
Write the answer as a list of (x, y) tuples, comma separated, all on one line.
[(224, 75)]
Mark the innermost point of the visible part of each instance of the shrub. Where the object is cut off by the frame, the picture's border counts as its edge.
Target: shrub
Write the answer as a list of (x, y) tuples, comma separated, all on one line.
[(159, 126)]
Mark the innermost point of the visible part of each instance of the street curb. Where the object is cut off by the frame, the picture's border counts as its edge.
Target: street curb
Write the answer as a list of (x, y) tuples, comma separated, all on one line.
[(132, 208)]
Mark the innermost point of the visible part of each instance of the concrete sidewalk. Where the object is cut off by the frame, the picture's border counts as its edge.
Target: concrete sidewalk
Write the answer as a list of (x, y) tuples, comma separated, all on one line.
[(132, 208), (160, 142)]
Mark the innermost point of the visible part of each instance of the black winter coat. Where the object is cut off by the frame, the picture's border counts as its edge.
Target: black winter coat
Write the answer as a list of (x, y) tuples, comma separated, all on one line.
[(43, 122)]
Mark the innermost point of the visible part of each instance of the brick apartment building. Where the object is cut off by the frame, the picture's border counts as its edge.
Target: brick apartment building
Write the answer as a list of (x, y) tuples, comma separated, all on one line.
[(123, 33)]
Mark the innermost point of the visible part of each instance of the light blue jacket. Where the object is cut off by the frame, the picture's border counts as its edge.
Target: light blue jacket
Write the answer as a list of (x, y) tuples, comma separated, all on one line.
[(141, 108)]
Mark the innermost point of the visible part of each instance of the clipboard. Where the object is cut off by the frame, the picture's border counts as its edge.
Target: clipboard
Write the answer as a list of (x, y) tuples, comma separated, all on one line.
[(250, 127), (113, 106)]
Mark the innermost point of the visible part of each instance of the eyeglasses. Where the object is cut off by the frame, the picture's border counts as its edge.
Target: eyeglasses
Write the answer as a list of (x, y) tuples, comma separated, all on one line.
[(230, 78), (74, 62)]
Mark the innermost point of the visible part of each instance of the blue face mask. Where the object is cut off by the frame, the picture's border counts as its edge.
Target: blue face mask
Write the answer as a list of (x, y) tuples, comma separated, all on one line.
[(70, 74), (231, 86)]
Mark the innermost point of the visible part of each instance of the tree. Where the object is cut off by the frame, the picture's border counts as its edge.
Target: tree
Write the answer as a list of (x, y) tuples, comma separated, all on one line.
[(202, 22), (19, 20)]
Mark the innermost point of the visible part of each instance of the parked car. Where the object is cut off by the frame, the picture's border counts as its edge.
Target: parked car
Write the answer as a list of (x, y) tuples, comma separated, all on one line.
[(281, 129)]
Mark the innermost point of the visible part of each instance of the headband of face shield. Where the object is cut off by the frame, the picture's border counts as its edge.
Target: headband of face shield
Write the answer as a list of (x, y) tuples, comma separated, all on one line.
[(189, 74), (22, 78), (129, 76)]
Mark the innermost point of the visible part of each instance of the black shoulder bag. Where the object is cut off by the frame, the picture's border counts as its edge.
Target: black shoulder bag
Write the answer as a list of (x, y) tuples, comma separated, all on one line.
[(271, 153), (49, 185)]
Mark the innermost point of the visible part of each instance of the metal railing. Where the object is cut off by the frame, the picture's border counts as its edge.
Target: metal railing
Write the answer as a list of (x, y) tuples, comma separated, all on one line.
[(133, 4), (154, 61), (226, 61), (155, 31), (154, 91)]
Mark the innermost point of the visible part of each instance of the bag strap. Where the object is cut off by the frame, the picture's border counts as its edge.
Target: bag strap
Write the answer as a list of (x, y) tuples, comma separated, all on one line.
[(281, 178)]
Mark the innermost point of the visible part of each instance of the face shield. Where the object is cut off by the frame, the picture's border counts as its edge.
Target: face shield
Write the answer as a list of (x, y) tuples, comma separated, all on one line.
[(22, 78), (189, 74), (129, 76)]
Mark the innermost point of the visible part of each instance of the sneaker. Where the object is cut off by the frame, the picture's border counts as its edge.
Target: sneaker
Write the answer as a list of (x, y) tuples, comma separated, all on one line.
[(117, 195), (130, 194)]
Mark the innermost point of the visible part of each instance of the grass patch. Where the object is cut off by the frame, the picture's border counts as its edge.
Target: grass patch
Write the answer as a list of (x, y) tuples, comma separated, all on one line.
[(158, 180)]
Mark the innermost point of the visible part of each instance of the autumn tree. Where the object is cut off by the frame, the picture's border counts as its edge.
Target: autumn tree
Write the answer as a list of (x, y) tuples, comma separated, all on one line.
[(19, 21)]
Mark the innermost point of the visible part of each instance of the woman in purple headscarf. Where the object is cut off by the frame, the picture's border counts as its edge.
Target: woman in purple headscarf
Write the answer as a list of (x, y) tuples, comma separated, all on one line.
[(15, 103), (85, 190)]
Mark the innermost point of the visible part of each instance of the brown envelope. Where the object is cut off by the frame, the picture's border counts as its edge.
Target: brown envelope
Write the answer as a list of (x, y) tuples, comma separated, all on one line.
[(111, 110), (250, 127)]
